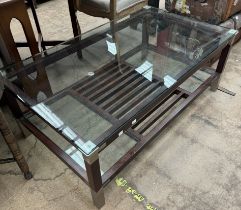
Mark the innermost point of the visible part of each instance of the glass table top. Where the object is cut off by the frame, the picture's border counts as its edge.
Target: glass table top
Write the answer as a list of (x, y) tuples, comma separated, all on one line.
[(89, 86)]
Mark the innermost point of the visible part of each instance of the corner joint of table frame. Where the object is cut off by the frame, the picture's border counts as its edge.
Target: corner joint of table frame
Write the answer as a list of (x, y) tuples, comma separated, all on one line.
[(91, 151)]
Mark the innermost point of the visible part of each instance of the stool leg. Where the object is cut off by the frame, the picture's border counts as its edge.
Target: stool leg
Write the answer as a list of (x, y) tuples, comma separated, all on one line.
[(17, 110), (12, 144)]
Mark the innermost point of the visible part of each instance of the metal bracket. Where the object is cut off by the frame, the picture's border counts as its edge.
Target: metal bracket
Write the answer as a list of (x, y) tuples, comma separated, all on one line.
[(90, 152), (88, 147)]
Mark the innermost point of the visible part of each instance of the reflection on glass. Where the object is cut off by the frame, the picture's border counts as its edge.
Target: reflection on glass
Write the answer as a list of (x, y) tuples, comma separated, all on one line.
[(86, 85)]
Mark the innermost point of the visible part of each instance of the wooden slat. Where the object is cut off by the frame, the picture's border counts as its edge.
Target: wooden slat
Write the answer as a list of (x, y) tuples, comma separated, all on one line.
[(116, 88), (134, 134), (157, 129), (136, 101), (122, 93), (153, 110), (101, 82), (88, 81), (111, 85), (160, 112), (132, 153), (134, 92), (93, 107)]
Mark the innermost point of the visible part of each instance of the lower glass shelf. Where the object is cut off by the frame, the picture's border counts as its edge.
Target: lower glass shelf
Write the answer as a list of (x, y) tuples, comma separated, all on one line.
[(108, 157)]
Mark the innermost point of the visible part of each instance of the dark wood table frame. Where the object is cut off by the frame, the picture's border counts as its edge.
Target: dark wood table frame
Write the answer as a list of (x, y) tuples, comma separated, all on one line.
[(128, 124)]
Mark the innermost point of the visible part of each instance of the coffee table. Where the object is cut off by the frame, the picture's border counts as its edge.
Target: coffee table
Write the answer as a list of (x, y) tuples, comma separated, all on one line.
[(97, 100)]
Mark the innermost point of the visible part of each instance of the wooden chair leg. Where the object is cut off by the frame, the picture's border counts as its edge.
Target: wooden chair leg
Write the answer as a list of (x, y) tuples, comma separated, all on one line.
[(145, 39), (79, 53), (17, 110), (92, 166), (115, 36), (35, 4), (12, 144), (75, 24)]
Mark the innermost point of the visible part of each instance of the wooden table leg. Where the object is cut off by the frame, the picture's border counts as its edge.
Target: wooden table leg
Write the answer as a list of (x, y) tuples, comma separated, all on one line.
[(73, 18), (12, 144), (94, 177), (75, 24), (145, 38), (221, 65)]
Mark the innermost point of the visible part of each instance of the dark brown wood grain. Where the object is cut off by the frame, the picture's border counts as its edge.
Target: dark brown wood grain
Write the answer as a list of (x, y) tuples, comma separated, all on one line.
[(13, 146)]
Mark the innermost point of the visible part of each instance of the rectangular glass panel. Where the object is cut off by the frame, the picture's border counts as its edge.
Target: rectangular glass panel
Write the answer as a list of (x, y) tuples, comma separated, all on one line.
[(108, 157), (79, 118), (113, 71)]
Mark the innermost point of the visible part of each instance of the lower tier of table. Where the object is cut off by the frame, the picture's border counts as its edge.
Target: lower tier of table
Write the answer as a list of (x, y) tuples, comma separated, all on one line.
[(115, 156)]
